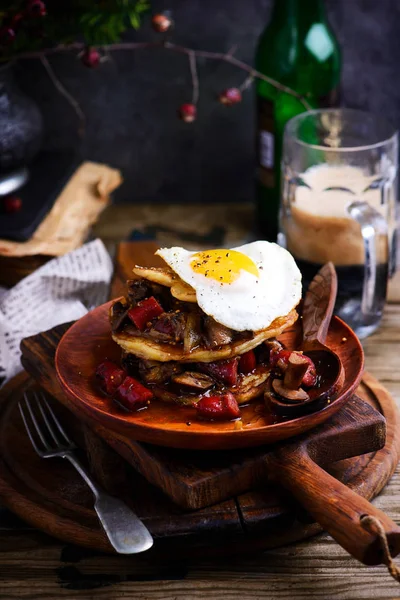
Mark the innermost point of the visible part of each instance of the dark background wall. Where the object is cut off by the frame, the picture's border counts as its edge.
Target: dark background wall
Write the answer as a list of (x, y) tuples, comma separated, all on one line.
[(131, 101)]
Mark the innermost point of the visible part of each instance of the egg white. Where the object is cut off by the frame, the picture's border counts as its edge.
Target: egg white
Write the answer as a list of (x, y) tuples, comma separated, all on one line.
[(249, 303)]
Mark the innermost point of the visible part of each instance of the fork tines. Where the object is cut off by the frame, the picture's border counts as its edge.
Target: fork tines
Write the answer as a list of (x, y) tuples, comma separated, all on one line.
[(45, 427)]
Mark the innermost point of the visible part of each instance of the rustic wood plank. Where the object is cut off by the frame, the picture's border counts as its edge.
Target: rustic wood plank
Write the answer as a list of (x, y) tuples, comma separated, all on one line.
[(316, 569)]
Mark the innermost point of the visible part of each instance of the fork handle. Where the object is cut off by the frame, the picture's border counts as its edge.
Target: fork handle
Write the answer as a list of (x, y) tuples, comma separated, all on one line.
[(125, 531)]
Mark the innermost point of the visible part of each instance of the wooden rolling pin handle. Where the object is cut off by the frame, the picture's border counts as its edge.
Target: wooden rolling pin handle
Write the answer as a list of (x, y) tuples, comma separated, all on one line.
[(336, 507)]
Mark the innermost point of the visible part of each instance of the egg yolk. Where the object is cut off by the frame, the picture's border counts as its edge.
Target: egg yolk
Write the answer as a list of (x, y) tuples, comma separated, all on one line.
[(223, 265)]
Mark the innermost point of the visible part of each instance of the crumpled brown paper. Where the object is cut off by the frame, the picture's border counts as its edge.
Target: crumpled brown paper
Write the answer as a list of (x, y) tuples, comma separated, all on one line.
[(67, 225)]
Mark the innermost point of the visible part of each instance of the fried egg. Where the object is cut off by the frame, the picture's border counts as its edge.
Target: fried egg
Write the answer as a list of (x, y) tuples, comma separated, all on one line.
[(244, 288)]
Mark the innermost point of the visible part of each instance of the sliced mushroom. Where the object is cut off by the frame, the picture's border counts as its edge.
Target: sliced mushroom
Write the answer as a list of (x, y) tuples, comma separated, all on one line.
[(118, 313), (169, 327), (196, 381), (167, 396), (192, 335), (215, 334), (289, 395), (138, 289), (156, 372)]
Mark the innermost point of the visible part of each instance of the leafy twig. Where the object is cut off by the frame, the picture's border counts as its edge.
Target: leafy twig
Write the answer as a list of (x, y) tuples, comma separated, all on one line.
[(226, 57)]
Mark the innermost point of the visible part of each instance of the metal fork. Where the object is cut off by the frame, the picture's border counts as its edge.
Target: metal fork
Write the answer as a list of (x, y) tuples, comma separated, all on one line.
[(125, 531)]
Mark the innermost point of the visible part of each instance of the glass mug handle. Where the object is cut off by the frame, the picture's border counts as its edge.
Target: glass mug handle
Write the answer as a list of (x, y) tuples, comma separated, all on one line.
[(374, 231)]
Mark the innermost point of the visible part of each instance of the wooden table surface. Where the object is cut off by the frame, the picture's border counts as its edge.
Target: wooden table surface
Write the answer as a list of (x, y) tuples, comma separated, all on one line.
[(34, 566)]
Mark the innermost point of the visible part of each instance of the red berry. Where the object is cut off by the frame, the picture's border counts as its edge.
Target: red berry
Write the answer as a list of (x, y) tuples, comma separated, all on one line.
[(218, 408), (91, 58), (188, 113), (110, 376), (161, 23), (230, 96), (12, 204), (7, 36), (36, 8)]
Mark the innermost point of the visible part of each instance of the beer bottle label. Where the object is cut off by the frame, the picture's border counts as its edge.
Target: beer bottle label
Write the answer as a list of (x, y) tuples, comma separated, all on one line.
[(266, 135), (266, 142)]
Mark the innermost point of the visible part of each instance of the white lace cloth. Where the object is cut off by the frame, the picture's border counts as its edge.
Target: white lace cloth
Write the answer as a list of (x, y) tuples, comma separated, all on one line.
[(62, 290)]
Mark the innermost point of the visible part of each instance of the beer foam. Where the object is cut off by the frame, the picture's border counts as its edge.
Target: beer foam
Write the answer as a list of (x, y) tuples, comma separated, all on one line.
[(320, 228), (325, 202)]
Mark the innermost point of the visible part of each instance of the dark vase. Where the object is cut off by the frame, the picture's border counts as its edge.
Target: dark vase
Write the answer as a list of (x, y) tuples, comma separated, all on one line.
[(21, 124)]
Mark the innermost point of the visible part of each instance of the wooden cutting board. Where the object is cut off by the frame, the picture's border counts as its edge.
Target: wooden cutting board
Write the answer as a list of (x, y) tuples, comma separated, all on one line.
[(51, 496)]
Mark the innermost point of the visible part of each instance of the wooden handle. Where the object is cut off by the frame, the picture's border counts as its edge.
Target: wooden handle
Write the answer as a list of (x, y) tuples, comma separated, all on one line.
[(318, 306), (336, 507)]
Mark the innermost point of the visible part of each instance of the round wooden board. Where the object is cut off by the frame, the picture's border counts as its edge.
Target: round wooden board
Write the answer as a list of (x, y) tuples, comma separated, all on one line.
[(51, 496)]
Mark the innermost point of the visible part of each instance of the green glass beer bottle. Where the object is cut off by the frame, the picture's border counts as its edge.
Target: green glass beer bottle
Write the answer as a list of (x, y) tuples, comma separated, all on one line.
[(299, 50)]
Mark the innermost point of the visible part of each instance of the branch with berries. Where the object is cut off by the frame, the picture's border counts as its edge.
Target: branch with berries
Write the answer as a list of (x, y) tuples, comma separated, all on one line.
[(102, 24)]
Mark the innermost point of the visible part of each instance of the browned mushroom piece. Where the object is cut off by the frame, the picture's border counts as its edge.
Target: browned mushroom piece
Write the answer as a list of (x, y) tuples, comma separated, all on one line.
[(285, 399), (192, 335), (153, 372), (196, 381), (289, 388), (215, 334), (295, 371), (287, 394), (118, 314)]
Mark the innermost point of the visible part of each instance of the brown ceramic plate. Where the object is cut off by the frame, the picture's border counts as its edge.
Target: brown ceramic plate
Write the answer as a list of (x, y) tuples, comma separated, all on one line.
[(88, 342)]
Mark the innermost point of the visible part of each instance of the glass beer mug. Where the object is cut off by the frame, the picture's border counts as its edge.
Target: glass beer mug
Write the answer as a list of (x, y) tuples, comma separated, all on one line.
[(339, 204)]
